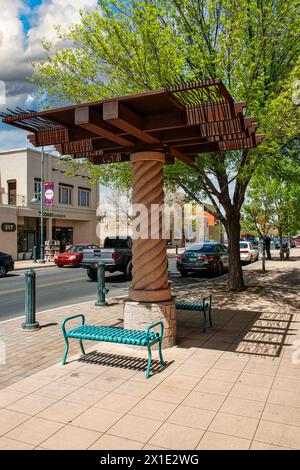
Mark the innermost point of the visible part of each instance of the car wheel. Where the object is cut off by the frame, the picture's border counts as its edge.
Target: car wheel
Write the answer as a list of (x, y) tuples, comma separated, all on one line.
[(128, 272), (92, 274), (2, 271), (183, 272), (60, 265)]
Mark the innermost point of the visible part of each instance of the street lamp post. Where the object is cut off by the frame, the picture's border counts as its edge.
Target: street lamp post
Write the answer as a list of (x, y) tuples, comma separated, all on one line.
[(42, 257)]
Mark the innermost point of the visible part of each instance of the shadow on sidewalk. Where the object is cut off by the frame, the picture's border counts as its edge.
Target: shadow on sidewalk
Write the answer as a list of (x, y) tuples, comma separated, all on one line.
[(122, 361)]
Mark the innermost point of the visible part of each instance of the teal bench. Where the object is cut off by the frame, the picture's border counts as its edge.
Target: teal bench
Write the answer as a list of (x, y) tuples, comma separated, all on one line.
[(203, 305), (110, 334)]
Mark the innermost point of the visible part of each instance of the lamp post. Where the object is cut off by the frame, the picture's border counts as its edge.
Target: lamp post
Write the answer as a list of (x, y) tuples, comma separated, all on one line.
[(34, 200)]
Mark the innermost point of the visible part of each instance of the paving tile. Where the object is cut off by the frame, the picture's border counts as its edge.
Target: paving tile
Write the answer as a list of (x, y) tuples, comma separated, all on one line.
[(63, 411), (282, 414), (29, 385), (213, 386), (77, 378), (256, 380), (10, 419), (85, 396), (57, 390), (135, 428), (234, 425), (153, 409), (181, 381), (136, 389), (34, 431), (108, 442), (216, 441), (192, 417), (97, 419), (8, 396), (11, 444), (223, 375), (32, 404), (241, 407), (264, 369), (173, 436), (287, 383), (283, 397), (249, 392), (117, 402), (278, 434), (205, 401), (168, 394), (108, 383), (264, 446), (71, 438)]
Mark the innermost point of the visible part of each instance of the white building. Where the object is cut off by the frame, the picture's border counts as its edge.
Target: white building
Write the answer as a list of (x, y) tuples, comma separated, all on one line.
[(72, 218)]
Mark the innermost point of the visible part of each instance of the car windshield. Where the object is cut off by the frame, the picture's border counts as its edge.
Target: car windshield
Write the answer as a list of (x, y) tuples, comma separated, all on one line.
[(206, 248), (74, 249), (243, 246)]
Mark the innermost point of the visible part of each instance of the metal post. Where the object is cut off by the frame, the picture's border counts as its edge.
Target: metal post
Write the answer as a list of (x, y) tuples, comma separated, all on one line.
[(30, 301), (42, 258), (34, 254), (101, 290)]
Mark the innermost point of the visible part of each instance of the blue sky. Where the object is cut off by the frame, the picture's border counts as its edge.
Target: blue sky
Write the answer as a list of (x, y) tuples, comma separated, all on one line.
[(24, 24)]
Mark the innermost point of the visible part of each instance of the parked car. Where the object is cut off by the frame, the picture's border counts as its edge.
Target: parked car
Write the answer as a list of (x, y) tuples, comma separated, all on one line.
[(116, 255), (248, 252), (73, 255), (211, 257), (285, 241), (6, 264)]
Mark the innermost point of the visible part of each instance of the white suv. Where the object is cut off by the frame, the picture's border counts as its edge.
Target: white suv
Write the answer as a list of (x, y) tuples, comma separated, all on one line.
[(248, 252)]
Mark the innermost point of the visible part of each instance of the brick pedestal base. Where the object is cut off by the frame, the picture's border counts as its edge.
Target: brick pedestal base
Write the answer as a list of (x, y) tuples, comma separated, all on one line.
[(139, 315)]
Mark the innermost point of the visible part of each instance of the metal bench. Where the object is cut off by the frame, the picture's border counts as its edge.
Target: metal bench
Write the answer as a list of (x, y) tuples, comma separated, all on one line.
[(110, 334), (200, 306)]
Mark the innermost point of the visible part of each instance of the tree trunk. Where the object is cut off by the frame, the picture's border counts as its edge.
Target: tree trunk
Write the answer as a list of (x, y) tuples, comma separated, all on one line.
[(235, 277), (263, 259)]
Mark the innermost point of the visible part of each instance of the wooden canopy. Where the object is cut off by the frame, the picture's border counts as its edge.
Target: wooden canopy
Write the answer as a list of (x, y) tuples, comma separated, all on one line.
[(182, 120)]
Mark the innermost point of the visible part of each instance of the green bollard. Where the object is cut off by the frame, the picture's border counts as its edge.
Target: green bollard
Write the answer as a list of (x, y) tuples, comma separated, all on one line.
[(30, 301), (101, 290), (34, 254)]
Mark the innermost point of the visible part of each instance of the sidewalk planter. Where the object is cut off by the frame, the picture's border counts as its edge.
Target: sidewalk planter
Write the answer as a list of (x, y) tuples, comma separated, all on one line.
[(20, 256)]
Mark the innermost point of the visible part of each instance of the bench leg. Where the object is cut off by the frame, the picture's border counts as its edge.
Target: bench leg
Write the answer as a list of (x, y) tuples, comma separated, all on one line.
[(162, 363), (149, 361), (204, 321), (81, 347), (64, 360)]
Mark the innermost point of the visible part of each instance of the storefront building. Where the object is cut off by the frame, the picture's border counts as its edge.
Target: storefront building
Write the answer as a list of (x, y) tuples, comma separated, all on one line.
[(72, 217)]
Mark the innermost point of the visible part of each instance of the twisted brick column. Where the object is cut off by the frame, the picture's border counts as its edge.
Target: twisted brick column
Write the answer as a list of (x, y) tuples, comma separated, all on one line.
[(149, 259)]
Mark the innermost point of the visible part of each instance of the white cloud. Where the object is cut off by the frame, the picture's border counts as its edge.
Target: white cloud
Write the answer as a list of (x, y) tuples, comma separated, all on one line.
[(52, 13), (18, 50)]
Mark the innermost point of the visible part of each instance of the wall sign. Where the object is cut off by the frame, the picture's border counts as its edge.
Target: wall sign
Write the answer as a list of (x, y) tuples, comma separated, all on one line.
[(8, 227)]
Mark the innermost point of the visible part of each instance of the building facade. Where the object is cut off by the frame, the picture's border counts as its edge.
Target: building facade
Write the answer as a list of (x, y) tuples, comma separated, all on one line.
[(72, 217)]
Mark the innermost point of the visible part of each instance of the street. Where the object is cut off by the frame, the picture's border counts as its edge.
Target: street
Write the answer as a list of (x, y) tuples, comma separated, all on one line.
[(57, 287)]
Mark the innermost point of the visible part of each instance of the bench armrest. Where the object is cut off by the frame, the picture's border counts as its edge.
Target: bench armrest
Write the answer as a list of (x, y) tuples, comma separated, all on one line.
[(150, 327), (207, 302), (63, 325)]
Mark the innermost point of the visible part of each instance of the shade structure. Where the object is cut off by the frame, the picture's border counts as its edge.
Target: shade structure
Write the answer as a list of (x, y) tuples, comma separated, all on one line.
[(182, 121)]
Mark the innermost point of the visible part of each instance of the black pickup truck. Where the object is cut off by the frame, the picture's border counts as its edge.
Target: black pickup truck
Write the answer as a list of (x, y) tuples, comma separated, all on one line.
[(116, 254)]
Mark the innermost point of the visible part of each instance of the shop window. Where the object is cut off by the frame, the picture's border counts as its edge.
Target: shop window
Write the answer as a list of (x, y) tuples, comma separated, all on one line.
[(65, 195), (12, 192), (37, 188), (84, 197)]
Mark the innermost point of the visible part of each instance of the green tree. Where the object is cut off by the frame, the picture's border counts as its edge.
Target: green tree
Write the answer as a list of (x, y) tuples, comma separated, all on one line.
[(126, 47)]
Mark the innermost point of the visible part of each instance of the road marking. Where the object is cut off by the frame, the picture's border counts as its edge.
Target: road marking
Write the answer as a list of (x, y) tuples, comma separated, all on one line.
[(21, 289)]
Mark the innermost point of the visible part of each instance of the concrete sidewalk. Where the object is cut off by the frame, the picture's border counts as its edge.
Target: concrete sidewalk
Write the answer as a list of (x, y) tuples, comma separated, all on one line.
[(235, 387), (26, 264)]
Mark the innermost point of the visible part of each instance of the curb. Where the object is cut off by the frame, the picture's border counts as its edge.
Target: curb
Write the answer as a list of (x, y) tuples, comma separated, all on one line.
[(35, 266)]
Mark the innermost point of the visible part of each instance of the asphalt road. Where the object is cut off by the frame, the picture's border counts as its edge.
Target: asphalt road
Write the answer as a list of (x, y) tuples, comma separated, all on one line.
[(57, 287)]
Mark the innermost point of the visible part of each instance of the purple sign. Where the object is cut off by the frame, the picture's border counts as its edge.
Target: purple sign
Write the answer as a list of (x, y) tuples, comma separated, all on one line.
[(48, 194)]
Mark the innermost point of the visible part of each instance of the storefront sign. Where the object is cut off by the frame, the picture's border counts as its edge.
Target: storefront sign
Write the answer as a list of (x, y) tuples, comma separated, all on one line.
[(49, 194), (53, 214), (8, 227)]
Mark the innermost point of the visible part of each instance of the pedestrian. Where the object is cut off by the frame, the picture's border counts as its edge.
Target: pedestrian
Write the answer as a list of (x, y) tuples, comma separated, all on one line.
[(267, 243)]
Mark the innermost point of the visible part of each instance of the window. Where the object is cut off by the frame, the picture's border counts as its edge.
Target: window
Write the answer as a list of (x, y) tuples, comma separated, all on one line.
[(37, 188), (65, 195), (12, 192), (84, 197)]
